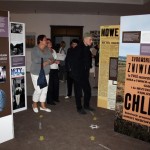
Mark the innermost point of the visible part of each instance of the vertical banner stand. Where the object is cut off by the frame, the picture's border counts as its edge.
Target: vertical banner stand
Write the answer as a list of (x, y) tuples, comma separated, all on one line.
[(18, 66), (6, 115)]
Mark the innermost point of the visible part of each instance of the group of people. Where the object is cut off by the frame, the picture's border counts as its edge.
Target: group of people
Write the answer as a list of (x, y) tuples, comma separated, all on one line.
[(77, 65)]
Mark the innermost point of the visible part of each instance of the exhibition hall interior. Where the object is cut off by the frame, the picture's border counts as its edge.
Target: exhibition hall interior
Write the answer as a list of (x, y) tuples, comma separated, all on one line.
[(95, 69)]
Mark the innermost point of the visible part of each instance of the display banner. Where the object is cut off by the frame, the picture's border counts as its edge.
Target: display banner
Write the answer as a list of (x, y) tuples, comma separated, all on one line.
[(5, 92), (136, 107), (18, 67), (109, 46), (132, 115), (6, 115)]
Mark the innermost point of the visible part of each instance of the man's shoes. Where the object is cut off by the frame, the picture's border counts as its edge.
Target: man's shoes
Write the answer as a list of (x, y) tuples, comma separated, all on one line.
[(67, 97), (35, 109), (95, 87), (89, 108), (81, 111), (45, 109), (57, 100), (51, 103)]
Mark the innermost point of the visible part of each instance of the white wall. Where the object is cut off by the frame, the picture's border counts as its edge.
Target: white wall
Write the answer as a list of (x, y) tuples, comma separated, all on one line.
[(40, 23)]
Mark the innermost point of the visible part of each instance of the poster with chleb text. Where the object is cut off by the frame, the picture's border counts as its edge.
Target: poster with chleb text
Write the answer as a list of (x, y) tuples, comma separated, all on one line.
[(136, 107), (132, 108)]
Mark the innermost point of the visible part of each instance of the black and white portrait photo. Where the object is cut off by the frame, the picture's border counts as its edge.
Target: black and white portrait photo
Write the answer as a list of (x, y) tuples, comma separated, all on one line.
[(2, 74), (18, 92)]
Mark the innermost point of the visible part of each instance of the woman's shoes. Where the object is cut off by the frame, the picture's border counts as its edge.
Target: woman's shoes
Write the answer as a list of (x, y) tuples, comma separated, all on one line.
[(35, 109), (45, 109)]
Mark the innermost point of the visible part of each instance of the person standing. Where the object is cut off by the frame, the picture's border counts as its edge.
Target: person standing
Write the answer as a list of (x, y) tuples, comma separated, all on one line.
[(80, 64), (53, 87), (38, 52), (73, 44), (62, 72)]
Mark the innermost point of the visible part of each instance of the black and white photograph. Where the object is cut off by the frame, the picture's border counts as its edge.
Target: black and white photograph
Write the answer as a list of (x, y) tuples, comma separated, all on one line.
[(2, 100), (18, 93), (96, 37), (16, 28), (16, 49), (2, 74)]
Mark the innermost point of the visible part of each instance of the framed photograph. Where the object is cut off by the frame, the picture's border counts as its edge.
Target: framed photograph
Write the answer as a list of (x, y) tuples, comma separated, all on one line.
[(30, 40)]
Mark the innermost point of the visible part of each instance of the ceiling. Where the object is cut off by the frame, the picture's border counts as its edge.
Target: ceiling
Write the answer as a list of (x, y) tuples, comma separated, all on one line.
[(89, 7)]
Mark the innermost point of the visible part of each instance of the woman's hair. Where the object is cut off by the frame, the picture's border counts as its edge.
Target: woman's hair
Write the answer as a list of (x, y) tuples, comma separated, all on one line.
[(62, 43), (40, 38), (49, 40)]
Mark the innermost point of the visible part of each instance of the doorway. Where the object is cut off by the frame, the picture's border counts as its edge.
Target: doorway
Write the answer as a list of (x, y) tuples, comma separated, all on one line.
[(65, 33)]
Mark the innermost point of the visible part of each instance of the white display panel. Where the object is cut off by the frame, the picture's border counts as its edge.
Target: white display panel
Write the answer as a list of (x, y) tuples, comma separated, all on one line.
[(18, 66), (6, 128)]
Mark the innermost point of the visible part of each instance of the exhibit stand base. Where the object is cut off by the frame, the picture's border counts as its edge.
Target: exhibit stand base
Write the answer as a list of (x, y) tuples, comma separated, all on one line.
[(6, 128)]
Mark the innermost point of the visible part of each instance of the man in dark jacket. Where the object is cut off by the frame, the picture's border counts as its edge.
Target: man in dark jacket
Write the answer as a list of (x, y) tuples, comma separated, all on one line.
[(73, 44), (80, 61)]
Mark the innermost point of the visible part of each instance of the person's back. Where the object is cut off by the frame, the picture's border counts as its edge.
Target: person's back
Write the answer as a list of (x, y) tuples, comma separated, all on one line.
[(74, 60), (80, 60), (68, 64)]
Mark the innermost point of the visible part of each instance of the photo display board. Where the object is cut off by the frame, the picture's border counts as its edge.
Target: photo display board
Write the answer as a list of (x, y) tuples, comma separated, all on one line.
[(6, 115), (5, 92), (18, 66), (107, 84)]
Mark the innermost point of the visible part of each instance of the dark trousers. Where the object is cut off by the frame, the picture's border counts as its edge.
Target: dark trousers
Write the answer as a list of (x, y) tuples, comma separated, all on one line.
[(53, 87), (69, 85), (62, 73), (82, 85)]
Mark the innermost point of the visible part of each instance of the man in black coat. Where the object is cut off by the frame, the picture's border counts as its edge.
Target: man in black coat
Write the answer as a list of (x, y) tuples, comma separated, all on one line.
[(73, 44), (80, 60)]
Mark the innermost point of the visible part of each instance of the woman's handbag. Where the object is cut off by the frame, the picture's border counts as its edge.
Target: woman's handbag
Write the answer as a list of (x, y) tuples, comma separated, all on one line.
[(41, 81)]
